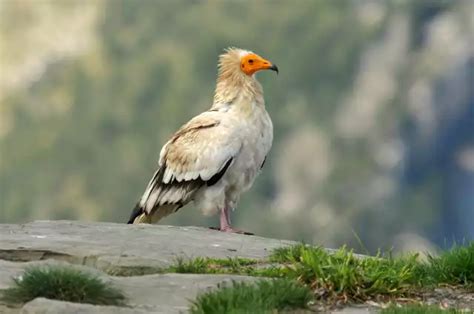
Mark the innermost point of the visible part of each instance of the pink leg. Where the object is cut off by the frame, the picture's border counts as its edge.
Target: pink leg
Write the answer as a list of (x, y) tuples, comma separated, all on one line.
[(225, 222)]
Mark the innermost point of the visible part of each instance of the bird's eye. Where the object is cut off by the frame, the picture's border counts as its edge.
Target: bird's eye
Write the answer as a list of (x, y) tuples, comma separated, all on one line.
[(251, 61)]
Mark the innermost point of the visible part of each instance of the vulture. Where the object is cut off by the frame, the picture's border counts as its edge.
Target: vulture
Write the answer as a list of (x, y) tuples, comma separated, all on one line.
[(217, 155)]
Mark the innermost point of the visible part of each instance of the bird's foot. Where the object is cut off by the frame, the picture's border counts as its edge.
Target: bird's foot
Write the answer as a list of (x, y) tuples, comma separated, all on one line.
[(230, 229), (225, 223)]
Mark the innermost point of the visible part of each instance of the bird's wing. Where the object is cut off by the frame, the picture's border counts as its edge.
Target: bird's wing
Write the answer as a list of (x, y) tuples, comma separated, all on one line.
[(198, 153)]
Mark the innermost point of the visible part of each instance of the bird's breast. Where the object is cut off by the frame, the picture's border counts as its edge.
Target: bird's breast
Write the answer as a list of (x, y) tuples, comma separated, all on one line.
[(256, 135)]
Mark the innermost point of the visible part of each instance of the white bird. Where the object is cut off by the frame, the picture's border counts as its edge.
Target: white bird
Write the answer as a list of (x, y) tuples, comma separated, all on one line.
[(217, 155)]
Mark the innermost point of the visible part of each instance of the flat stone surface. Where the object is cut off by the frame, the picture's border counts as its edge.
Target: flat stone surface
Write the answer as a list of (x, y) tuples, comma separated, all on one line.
[(160, 293), (173, 290), (103, 245), (103, 248), (108, 248), (166, 293), (95, 247), (46, 306), (354, 310)]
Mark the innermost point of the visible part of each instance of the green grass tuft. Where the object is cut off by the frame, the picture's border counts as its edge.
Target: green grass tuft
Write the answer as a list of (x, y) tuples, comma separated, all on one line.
[(208, 265), (129, 271), (62, 283), (262, 297), (455, 267), (236, 265), (418, 309), (198, 265), (288, 254), (342, 274)]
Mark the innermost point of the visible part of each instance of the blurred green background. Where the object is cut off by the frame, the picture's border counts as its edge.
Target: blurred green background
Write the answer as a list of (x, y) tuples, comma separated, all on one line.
[(373, 112)]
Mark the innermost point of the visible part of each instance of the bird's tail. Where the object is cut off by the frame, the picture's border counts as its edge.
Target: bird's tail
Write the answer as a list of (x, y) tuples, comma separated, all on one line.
[(140, 216)]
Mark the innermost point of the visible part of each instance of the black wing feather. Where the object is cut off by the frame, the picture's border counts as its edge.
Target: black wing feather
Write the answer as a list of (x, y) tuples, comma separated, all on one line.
[(190, 185)]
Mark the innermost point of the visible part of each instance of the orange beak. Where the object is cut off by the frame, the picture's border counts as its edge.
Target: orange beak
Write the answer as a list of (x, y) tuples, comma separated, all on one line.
[(252, 63)]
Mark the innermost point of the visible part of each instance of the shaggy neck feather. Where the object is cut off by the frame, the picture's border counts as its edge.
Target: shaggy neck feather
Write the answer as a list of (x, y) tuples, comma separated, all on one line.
[(233, 84)]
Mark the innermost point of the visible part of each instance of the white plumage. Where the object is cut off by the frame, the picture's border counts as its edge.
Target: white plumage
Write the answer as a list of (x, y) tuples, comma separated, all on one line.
[(216, 156)]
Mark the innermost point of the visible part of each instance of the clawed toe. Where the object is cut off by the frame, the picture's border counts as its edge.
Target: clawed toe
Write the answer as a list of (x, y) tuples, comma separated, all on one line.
[(235, 230), (231, 230)]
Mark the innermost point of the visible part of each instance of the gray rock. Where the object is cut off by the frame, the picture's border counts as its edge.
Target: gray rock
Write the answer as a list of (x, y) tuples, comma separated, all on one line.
[(5, 309), (355, 310), (124, 249), (46, 306), (94, 247), (105, 245), (166, 293), (176, 291), (160, 293)]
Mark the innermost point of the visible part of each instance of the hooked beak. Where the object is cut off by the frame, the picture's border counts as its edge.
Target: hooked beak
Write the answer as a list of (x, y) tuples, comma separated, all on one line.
[(274, 68), (252, 63)]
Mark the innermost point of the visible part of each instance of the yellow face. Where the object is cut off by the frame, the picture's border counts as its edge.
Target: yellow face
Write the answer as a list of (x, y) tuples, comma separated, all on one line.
[(251, 63)]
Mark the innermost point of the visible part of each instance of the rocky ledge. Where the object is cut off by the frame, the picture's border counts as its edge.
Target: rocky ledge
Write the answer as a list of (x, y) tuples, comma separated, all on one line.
[(133, 257), (106, 248)]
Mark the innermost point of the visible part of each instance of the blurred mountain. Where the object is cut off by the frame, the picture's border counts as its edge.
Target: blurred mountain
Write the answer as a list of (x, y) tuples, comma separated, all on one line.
[(373, 111)]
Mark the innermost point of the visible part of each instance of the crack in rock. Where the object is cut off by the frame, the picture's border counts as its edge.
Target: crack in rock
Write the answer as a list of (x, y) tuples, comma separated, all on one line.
[(28, 255)]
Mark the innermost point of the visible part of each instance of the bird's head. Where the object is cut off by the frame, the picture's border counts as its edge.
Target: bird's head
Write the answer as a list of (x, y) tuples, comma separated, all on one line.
[(251, 63), (248, 62), (237, 68)]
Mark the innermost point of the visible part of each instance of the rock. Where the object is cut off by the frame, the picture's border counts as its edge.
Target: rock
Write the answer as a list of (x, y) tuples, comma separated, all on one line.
[(133, 250), (160, 293), (354, 310), (9, 310), (174, 290), (165, 293), (105, 245), (46, 306), (95, 247), (139, 253)]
